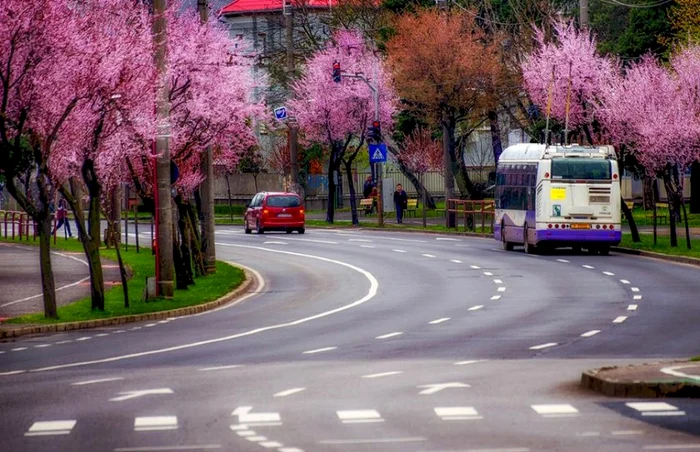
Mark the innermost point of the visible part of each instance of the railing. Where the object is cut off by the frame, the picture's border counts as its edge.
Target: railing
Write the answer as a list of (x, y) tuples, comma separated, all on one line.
[(472, 212), (16, 224)]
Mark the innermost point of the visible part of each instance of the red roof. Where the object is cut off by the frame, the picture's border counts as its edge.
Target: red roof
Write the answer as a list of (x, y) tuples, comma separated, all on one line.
[(256, 6)]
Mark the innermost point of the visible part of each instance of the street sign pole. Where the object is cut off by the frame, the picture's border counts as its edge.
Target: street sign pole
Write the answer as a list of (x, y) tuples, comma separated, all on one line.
[(380, 173)]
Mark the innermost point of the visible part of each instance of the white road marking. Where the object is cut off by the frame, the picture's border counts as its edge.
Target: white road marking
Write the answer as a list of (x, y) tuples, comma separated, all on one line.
[(664, 413), (289, 392), (438, 321), (632, 307), (488, 273), (360, 240), (413, 439), (208, 369), (248, 418), (588, 434), (383, 374), (498, 281), (18, 349), (448, 239), (244, 432), (150, 325), (319, 350), (673, 371), (274, 242), (359, 416), (475, 267), (101, 380), (563, 260), (496, 297), (85, 338), (427, 255), (588, 266), (367, 246), (168, 448), (471, 361), (637, 297), (12, 372), (635, 289), (626, 432), (120, 331), (456, 261), (555, 410), (255, 439), (476, 308), (128, 395), (136, 328), (270, 444), (289, 449), (433, 388), (148, 423), (374, 285), (673, 447), (102, 335), (501, 289), (399, 251), (457, 413), (624, 281), (609, 273), (541, 346), (64, 342), (44, 428), (643, 407), (387, 336), (620, 319), (237, 428), (329, 242), (590, 333)]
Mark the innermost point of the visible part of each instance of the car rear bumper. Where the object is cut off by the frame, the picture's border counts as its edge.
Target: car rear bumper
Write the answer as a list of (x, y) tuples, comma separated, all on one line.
[(577, 236)]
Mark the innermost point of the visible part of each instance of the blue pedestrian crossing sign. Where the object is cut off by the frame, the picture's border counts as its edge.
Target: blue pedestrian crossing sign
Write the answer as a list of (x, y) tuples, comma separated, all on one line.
[(281, 113), (377, 153)]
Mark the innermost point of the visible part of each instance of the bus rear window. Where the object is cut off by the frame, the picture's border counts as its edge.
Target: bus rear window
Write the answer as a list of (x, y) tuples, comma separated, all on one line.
[(581, 169), (283, 201)]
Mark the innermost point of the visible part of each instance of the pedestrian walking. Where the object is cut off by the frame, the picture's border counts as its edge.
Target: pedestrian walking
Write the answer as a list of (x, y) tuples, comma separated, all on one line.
[(374, 195), (62, 217), (400, 202), (367, 189)]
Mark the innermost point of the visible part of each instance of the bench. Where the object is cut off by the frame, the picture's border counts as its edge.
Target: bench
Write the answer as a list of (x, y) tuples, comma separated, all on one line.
[(367, 204), (411, 206), (661, 213)]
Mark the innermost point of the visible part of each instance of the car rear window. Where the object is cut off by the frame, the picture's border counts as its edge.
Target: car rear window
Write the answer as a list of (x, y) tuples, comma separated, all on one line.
[(283, 201), (581, 169)]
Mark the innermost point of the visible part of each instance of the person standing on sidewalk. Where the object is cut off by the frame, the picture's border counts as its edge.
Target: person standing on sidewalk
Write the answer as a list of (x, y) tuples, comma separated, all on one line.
[(62, 217), (401, 202), (367, 189)]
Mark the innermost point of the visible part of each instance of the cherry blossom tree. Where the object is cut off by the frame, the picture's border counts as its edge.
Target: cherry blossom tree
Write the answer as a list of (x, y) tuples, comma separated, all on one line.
[(337, 115), (420, 153)]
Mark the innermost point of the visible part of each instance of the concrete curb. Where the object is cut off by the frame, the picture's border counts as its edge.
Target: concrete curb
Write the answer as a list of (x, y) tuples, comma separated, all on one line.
[(592, 379), (666, 257), (8, 333)]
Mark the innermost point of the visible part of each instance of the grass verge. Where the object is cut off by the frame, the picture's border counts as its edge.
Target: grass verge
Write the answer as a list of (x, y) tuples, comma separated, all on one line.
[(663, 245), (205, 289)]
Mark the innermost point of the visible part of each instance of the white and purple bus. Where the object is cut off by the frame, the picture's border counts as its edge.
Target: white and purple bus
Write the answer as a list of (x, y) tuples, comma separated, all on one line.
[(558, 196)]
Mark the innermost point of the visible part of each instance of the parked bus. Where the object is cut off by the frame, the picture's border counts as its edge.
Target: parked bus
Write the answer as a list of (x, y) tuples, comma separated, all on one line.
[(558, 196)]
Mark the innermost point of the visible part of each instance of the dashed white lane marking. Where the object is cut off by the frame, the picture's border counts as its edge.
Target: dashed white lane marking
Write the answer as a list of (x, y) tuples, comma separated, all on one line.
[(498, 281), (208, 369), (374, 286), (270, 444), (120, 331), (150, 325), (18, 349), (456, 261), (2, 352), (626, 432), (85, 338), (136, 328), (555, 410), (488, 273), (620, 319), (50, 428), (438, 321), (256, 439), (289, 449), (412, 439), (496, 297), (329, 242), (457, 413), (147, 423), (541, 346), (64, 342), (634, 289), (476, 308), (359, 416), (100, 380), (289, 392), (244, 432), (399, 251), (624, 281), (274, 242), (609, 273), (128, 395), (590, 333), (103, 334), (588, 434), (387, 336), (448, 239), (383, 374), (637, 297), (632, 307), (360, 240), (563, 260), (501, 289), (590, 267), (319, 350), (673, 447), (475, 267), (168, 448), (471, 361), (367, 246), (428, 255)]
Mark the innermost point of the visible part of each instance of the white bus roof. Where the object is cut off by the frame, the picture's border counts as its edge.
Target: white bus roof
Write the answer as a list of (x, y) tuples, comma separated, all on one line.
[(532, 152)]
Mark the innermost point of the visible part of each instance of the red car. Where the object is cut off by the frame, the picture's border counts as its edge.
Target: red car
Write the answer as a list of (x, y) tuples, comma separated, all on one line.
[(271, 211)]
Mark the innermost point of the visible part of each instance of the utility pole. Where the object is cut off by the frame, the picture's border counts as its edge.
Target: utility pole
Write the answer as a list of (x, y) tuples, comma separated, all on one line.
[(583, 14), (288, 12), (206, 188), (164, 239)]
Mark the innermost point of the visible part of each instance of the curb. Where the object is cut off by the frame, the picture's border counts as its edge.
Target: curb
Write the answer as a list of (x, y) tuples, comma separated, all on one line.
[(188, 310), (591, 379), (666, 257)]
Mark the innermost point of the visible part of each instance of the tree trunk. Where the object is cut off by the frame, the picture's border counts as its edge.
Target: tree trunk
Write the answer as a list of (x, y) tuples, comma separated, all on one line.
[(332, 168), (695, 187), (687, 228), (208, 249), (230, 202), (418, 184), (48, 285), (448, 144), (649, 192), (496, 144), (630, 220), (671, 198), (351, 187)]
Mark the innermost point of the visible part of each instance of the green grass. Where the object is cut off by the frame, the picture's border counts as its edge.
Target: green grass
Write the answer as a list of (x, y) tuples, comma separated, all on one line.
[(142, 265), (663, 245), (644, 218)]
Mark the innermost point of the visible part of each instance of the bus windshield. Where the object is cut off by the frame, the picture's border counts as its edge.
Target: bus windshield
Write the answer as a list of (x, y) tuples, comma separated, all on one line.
[(588, 169)]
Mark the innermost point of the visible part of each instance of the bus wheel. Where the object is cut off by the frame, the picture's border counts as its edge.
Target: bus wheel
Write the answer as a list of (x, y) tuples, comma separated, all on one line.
[(529, 249), (592, 250), (508, 246), (604, 250)]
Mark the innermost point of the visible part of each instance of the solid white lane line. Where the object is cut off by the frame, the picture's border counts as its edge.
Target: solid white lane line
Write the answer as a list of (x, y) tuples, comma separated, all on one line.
[(44, 428), (637, 297), (147, 423), (635, 289), (387, 336), (360, 240), (541, 346), (632, 307), (12, 372), (554, 409), (563, 260), (456, 261), (588, 434), (620, 319), (609, 273), (289, 449), (383, 374), (427, 255), (475, 267), (496, 297), (208, 369), (399, 251), (476, 308), (374, 286), (674, 370), (319, 350), (289, 392), (626, 432), (664, 413), (100, 380), (274, 242), (438, 321), (673, 447), (329, 242), (624, 281), (590, 333), (588, 266), (412, 439)]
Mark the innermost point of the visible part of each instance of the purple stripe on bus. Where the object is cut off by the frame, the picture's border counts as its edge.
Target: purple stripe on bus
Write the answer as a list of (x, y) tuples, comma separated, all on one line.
[(577, 235)]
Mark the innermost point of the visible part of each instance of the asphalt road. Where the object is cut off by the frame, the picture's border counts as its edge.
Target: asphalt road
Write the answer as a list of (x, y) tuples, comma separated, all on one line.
[(371, 341)]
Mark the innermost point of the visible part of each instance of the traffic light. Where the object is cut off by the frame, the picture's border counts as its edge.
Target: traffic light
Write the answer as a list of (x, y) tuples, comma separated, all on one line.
[(336, 72), (375, 132)]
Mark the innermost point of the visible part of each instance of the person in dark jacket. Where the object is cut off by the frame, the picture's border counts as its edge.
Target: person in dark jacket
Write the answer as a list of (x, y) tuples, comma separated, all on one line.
[(62, 217), (367, 189), (401, 202)]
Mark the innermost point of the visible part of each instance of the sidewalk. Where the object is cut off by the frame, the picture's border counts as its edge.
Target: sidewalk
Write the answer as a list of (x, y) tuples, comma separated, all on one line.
[(20, 278), (666, 379)]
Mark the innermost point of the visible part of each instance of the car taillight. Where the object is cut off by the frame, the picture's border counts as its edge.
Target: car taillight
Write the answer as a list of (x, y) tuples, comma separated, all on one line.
[(549, 226), (265, 211), (301, 211), (556, 226), (605, 226)]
